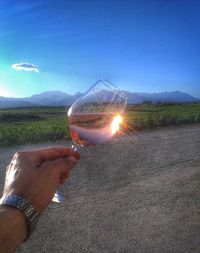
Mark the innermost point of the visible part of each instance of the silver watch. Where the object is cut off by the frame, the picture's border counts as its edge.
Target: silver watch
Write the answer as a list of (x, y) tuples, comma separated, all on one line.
[(25, 207)]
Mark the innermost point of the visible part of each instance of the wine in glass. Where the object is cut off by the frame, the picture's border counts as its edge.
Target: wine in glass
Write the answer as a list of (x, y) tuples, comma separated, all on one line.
[(95, 117)]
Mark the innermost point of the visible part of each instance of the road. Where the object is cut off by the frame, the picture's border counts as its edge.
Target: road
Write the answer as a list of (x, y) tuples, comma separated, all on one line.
[(137, 194)]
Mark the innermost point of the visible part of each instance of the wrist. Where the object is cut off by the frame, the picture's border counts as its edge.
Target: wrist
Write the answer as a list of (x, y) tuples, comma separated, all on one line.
[(13, 228), (26, 209), (14, 214)]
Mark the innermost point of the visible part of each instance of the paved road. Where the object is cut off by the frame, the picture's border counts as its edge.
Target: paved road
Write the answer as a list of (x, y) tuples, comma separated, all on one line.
[(138, 194)]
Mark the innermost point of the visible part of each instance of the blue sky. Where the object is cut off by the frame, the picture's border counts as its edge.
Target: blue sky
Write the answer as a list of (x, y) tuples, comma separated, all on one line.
[(142, 46)]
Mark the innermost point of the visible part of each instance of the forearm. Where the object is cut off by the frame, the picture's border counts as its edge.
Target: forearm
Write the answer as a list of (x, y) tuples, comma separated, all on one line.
[(13, 229)]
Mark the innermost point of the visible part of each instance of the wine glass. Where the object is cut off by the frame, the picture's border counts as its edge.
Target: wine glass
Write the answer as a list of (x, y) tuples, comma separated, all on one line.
[(95, 117)]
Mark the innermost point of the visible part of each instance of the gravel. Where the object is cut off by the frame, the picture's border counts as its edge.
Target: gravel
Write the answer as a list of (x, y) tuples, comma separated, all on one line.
[(140, 193)]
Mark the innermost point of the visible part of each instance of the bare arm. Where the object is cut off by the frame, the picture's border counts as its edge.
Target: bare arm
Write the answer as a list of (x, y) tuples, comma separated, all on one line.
[(13, 229), (35, 176)]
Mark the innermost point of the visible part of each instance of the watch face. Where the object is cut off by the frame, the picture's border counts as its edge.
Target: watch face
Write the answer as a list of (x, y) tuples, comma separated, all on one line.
[(13, 200)]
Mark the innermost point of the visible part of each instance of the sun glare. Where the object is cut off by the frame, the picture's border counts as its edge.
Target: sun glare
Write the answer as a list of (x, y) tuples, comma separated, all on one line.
[(5, 92), (117, 120)]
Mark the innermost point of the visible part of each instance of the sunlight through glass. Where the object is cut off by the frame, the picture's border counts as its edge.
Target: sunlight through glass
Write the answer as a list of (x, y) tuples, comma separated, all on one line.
[(117, 120)]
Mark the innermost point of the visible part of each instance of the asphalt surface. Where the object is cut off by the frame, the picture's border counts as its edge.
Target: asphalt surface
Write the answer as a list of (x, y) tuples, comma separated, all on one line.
[(137, 194)]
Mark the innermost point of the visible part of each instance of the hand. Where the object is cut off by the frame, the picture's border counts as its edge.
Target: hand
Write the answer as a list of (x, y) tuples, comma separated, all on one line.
[(36, 175)]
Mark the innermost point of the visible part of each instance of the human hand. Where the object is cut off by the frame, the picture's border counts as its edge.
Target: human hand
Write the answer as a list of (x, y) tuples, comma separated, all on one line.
[(36, 175)]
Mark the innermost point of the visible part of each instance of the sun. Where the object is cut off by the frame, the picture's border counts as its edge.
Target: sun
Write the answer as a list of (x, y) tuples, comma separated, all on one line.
[(117, 120), (4, 92)]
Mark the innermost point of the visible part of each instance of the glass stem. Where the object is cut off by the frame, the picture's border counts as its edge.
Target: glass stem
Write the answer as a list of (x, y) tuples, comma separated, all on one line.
[(74, 147)]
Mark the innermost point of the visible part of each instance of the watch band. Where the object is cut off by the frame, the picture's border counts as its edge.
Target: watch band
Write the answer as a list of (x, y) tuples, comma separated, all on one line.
[(25, 207)]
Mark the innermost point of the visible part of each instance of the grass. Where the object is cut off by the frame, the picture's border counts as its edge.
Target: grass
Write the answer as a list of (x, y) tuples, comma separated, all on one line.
[(34, 125), (33, 131), (149, 116)]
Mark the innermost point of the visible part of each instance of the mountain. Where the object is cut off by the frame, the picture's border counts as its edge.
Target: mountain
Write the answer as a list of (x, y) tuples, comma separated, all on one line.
[(170, 97), (49, 98), (58, 98), (46, 98), (163, 97), (66, 101), (14, 102)]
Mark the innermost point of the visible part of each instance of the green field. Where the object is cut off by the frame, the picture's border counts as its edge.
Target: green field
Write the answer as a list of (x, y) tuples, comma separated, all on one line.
[(149, 116), (34, 125)]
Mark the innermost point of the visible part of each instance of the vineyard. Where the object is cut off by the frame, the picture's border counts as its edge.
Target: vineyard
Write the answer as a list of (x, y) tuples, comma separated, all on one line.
[(149, 116), (34, 125)]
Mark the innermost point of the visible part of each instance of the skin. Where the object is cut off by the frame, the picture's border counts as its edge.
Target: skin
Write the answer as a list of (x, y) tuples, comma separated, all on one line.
[(34, 175)]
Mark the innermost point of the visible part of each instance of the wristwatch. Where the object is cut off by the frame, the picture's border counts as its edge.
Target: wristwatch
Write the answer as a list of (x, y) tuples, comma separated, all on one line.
[(25, 207)]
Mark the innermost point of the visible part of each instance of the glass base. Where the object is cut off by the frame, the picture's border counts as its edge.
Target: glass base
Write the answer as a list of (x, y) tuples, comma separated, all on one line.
[(58, 197)]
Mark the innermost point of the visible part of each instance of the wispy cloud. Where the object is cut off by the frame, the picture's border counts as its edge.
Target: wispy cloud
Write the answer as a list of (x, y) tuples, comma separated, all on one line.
[(26, 67)]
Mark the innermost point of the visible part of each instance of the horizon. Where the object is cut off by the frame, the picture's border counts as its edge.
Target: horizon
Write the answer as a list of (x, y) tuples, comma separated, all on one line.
[(141, 93), (141, 46)]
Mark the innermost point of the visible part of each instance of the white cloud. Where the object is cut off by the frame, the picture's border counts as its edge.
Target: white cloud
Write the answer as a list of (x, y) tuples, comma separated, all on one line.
[(26, 67)]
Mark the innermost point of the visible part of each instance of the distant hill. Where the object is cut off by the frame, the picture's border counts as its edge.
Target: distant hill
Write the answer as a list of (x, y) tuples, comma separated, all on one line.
[(47, 98), (163, 97), (58, 98), (14, 103), (170, 97)]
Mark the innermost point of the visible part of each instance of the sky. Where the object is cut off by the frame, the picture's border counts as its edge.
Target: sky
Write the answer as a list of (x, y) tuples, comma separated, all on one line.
[(141, 46)]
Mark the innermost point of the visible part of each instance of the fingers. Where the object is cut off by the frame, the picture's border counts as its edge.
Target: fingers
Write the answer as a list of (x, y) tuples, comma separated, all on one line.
[(59, 169), (50, 154), (65, 164), (60, 165), (64, 177), (71, 161)]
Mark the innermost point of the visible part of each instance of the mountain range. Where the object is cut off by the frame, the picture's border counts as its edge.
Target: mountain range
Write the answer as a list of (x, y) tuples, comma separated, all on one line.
[(58, 98)]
